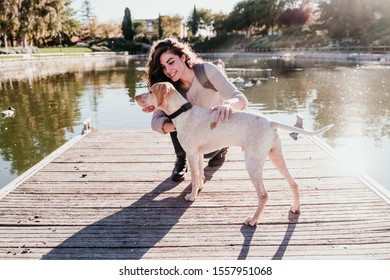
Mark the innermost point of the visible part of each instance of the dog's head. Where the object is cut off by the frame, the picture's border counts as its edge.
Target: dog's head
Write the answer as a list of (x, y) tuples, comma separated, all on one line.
[(155, 98)]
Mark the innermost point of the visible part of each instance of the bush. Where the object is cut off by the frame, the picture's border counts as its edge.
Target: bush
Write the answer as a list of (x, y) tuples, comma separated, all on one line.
[(96, 48), (120, 45), (221, 42)]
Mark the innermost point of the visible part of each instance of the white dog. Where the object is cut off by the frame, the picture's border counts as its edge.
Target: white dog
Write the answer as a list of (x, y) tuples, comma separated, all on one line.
[(199, 134)]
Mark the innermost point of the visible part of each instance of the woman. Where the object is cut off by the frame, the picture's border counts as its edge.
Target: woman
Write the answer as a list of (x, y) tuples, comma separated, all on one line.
[(172, 61)]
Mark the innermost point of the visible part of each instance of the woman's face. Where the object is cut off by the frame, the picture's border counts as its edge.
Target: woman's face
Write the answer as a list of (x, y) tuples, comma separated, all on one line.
[(172, 65)]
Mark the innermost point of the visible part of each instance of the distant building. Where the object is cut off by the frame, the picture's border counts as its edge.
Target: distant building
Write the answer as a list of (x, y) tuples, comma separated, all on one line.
[(149, 27)]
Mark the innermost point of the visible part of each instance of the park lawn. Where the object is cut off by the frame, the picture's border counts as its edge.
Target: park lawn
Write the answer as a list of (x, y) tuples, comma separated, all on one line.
[(65, 50)]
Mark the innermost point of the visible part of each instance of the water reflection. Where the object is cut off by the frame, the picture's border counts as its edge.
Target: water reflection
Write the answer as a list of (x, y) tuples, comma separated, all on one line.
[(44, 111), (50, 109), (355, 98)]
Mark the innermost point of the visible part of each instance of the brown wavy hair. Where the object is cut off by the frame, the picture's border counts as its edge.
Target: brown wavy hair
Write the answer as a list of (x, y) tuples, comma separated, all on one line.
[(153, 67)]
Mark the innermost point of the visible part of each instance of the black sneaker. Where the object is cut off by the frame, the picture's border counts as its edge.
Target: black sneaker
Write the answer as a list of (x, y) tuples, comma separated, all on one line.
[(180, 169), (219, 158)]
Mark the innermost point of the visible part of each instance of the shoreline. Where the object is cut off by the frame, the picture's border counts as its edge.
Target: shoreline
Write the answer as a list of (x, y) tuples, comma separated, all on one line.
[(354, 57), (37, 66), (30, 66)]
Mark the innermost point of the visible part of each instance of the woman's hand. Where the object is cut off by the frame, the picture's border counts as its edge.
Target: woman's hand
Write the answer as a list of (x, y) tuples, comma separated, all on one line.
[(223, 112)]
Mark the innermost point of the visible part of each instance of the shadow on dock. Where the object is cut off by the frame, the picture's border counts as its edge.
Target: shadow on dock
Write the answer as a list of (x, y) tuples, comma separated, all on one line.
[(249, 232), (129, 233), (293, 220)]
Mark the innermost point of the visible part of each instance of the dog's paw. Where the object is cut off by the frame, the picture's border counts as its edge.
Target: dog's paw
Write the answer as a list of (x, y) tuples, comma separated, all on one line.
[(295, 210), (251, 221), (190, 197)]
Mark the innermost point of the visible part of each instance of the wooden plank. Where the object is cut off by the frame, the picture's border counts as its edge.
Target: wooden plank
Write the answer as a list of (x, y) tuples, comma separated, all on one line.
[(109, 196)]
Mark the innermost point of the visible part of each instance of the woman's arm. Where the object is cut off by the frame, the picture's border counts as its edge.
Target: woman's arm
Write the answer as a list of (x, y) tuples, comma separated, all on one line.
[(168, 127), (233, 98), (161, 123)]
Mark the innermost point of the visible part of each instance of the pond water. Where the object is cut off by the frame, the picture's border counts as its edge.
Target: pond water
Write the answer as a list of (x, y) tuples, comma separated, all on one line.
[(49, 110)]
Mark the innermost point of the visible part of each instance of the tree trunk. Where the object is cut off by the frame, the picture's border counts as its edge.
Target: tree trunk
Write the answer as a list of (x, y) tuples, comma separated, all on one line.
[(24, 37), (5, 39)]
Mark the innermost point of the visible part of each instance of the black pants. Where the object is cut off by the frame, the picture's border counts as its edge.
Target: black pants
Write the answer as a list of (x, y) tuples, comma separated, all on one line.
[(179, 151)]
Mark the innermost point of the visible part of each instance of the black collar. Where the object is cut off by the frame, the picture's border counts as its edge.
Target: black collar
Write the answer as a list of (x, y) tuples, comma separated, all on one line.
[(182, 109)]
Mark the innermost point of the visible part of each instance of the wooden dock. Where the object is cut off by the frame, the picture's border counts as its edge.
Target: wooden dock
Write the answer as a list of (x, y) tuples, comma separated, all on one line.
[(108, 196)]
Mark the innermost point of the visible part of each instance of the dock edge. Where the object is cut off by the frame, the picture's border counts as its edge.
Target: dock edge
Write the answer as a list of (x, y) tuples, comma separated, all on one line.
[(30, 172), (367, 180)]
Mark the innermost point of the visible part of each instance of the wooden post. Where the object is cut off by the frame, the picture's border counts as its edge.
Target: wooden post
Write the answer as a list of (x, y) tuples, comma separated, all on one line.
[(87, 127)]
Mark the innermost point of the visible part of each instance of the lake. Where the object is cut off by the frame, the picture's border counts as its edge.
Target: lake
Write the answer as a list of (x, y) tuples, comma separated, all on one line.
[(50, 109)]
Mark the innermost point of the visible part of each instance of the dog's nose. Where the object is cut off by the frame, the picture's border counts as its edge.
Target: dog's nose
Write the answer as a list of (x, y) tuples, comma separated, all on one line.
[(140, 96)]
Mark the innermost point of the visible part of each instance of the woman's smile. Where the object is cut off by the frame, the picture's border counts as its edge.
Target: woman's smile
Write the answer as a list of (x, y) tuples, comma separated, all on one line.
[(171, 65)]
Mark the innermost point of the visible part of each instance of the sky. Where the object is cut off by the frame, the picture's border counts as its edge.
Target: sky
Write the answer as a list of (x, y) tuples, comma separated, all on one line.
[(114, 10)]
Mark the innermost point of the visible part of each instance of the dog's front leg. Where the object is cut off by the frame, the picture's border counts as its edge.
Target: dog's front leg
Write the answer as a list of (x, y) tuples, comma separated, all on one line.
[(201, 173), (196, 180)]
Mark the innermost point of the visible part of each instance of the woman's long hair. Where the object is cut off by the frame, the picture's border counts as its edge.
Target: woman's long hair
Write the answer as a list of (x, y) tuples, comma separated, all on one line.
[(153, 67)]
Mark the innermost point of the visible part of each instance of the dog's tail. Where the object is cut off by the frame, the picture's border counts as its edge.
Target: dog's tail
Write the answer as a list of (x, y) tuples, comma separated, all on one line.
[(300, 130)]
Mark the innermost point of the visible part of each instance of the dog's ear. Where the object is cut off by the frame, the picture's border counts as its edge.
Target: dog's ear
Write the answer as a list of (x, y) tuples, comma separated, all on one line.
[(161, 90)]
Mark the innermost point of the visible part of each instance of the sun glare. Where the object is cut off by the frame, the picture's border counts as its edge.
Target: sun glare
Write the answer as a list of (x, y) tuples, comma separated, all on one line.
[(350, 155)]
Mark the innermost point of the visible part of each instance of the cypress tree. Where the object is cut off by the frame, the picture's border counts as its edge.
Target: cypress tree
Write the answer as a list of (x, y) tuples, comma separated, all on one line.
[(194, 22), (160, 29), (127, 26)]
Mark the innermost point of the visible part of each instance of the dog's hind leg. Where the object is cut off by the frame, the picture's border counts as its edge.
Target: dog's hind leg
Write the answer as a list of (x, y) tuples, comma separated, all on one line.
[(277, 158), (254, 165)]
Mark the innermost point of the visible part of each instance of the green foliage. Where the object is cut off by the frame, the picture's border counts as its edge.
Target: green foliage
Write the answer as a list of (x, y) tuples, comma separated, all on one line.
[(221, 42), (193, 22), (259, 14), (349, 19), (120, 45), (379, 32), (127, 26), (169, 25), (160, 28), (52, 22), (37, 21)]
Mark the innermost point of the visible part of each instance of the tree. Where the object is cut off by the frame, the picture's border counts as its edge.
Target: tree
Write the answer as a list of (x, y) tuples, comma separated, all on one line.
[(219, 22), (347, 19), (170, 25), (127, 26), (264, 13), (37, 18), (86, 12), (256, 14), (160, 28), (240, 17), (88, 21), (69, 25), (205, 19), (29, 21), (193, 22), (48, 21), (8, 19), (26, 16), (294, 16)]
